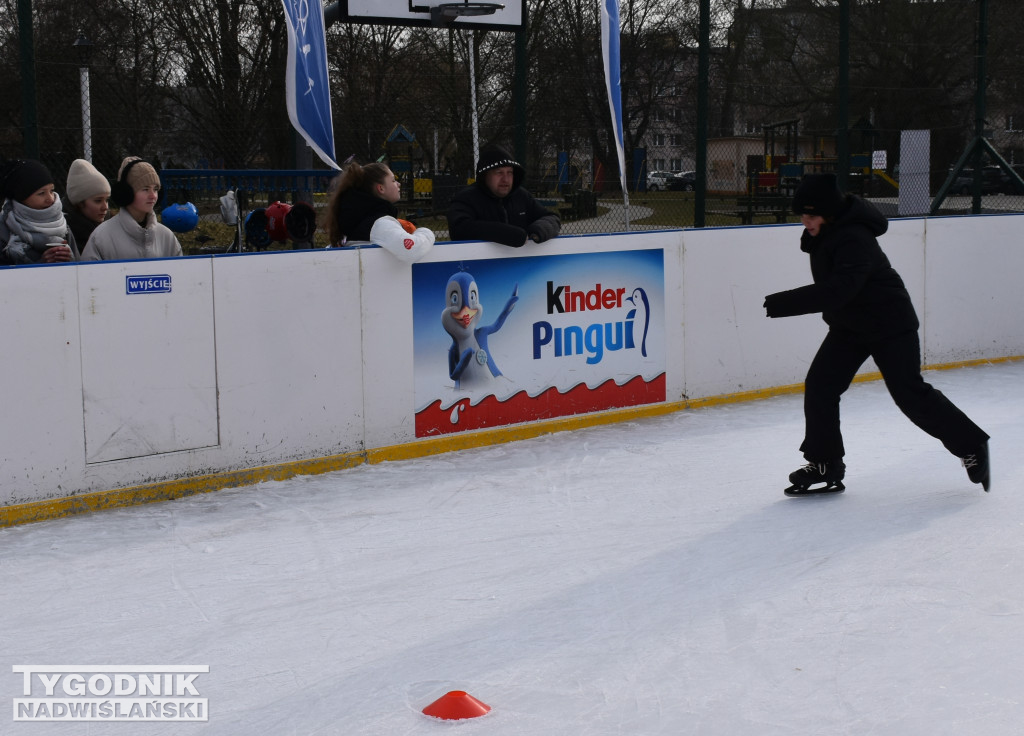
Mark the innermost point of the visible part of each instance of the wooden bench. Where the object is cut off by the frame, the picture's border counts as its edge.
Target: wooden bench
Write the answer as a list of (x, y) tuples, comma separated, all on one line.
[(759, 205)]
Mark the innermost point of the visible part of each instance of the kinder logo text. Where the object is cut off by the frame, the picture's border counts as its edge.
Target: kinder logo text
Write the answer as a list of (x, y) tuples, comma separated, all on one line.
[(596, 336), (110, 693), (154, 284)]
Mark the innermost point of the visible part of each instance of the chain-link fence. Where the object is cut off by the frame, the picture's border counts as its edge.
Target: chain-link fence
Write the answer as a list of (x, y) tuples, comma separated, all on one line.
[(188, 86), (763, 197)]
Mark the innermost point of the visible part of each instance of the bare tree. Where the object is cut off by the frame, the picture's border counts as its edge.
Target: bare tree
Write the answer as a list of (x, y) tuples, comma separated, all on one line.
[(1005, 92), (227, 96), (129, 64), (910, 67), (446, 89), (204, 79), (653, 48), (371, 81), (11, 81)]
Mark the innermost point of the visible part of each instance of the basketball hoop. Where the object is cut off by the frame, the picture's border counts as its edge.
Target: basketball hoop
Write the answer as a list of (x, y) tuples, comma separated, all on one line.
[(446, 13), (491, 15)]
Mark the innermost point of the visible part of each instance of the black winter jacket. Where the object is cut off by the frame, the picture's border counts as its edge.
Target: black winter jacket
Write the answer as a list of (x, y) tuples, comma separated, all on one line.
[(855, 288), (357, 211), (81, 226), (476, 214)]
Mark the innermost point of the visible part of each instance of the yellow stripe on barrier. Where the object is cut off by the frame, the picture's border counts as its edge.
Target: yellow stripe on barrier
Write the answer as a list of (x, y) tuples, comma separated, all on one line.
[(169, 490), (183, 487)]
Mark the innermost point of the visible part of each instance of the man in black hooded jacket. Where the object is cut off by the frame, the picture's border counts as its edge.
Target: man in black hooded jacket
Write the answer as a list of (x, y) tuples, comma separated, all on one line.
[(496, 208), (869, 314)]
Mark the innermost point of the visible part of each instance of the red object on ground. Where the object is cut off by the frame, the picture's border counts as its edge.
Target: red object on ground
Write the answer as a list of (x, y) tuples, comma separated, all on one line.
[(455, 706)]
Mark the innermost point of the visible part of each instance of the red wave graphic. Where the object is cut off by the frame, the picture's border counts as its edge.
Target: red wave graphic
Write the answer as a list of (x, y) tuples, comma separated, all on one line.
[(521, 407)]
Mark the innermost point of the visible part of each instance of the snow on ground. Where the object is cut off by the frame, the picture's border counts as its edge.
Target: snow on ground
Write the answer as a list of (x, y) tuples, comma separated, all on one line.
[(642, 578)]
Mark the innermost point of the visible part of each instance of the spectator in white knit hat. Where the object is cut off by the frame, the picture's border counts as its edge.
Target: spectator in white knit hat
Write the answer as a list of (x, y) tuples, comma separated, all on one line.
[(133, 232), (86, 204)]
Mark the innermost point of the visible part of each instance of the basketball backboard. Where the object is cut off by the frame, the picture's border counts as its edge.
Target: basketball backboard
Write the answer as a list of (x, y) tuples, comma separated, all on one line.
[(502, 15)]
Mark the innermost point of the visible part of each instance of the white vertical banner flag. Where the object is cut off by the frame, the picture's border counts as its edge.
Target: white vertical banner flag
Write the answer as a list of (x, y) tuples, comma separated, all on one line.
[(307, 89), (612, 78)]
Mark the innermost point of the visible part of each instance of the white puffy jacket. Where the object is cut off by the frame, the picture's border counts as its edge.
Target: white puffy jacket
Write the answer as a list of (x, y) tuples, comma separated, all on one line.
[(388, 233)]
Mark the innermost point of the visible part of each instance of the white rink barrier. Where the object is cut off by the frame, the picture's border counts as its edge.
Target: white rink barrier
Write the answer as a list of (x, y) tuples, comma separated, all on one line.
[(133, 381)]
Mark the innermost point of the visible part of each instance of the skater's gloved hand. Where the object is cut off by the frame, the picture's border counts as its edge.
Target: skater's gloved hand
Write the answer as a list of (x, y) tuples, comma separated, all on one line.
[(771, 305)]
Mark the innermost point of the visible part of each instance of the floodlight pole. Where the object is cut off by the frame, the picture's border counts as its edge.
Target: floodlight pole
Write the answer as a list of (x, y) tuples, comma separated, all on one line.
[(843, 127), (472, 99), (979, 104), (703, 75), (84, 48), (83, 73), (519, 96), (28, 79)]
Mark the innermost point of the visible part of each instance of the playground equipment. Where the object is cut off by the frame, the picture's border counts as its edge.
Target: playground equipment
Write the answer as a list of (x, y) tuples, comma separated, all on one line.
[(781, 166)]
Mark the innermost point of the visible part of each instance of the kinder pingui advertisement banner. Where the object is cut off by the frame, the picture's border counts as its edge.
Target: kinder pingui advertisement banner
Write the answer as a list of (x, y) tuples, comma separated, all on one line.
[(515, 340)]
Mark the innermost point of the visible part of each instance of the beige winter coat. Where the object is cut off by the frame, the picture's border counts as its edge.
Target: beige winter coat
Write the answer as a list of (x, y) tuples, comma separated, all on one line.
[(122, 238)]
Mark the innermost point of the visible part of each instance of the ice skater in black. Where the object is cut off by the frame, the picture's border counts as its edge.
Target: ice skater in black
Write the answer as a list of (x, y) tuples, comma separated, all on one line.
[(869, 314)]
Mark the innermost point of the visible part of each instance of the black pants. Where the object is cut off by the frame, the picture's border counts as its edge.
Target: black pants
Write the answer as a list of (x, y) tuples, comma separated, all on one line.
[(899, 360)]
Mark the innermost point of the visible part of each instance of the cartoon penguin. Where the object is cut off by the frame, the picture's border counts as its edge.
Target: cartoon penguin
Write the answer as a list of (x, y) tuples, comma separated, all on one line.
[(639, 301), (470, 363)]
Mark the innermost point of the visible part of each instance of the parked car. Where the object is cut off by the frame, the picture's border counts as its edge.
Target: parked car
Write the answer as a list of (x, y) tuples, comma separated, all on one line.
[(684, 181), (993, 181), (657, 180)]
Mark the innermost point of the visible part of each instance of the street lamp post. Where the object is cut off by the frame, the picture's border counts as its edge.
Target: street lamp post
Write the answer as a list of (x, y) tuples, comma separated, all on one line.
[(83, 47)]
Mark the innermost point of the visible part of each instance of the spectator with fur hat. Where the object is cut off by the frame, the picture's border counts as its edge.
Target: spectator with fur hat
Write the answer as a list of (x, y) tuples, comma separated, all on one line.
[(133, 233), (32, 225), (87, 204), (497, 208), (869, 315)]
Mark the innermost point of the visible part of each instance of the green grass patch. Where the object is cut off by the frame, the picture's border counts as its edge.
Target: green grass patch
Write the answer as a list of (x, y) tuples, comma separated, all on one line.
[(676, 209)]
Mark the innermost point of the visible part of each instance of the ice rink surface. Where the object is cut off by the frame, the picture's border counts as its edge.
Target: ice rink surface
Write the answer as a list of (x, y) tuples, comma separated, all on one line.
[(640, 578)]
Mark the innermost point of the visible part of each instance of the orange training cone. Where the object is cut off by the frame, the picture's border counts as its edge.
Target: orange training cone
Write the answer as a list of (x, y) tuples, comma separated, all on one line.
[(455, 706)]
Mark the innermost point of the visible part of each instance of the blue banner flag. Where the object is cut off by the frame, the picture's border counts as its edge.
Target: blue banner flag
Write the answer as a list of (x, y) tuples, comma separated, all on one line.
[(612, 78), (307, 87)]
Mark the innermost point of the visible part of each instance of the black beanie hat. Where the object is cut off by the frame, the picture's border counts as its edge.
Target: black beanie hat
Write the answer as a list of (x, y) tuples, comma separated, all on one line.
[(23, 177), (494, 156), (818, 194)]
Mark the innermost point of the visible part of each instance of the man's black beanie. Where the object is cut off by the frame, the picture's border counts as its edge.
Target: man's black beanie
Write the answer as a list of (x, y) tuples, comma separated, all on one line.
[(492, 157)]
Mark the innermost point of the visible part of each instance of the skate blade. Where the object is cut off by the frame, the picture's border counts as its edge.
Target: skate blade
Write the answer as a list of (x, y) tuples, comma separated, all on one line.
[(815, 490)]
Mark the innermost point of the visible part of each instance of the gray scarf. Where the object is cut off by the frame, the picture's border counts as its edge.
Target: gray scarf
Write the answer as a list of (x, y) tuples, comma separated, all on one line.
[(31, 231)]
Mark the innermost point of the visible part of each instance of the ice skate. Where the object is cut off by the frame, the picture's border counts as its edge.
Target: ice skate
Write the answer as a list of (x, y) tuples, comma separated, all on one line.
[(977, 466), (815, 478)]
